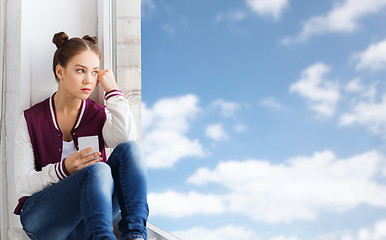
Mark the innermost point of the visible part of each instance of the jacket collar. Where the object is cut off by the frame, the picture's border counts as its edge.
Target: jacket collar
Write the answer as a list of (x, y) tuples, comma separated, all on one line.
[(53, 113)]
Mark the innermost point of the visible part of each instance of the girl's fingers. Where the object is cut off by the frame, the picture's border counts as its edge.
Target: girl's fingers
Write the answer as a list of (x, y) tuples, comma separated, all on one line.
[(85, 151), (80, 154), (79, 160), (90, 157), (102, 72), (91, 162)]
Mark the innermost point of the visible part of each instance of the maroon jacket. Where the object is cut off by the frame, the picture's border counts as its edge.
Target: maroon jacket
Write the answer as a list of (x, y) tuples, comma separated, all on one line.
[(46, 137)]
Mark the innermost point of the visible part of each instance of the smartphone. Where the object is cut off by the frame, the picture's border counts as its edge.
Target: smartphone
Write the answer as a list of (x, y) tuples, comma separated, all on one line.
[(90, 141)]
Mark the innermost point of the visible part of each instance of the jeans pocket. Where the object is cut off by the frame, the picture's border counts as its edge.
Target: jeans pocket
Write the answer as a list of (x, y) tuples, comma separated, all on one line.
[(30, 235)]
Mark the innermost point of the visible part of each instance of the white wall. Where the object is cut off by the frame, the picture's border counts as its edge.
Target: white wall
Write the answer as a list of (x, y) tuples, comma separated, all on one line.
[(40, 20)]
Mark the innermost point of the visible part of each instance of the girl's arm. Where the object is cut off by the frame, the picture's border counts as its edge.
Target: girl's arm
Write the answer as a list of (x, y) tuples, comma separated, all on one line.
[(120, 124), (28, 180)]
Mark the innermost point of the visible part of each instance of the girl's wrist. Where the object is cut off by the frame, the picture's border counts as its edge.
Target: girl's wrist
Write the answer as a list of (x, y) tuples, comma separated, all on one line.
[(110, 86)]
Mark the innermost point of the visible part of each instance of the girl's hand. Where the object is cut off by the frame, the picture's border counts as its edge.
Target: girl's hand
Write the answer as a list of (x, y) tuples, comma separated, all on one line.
[(78, 160), (107, 79)]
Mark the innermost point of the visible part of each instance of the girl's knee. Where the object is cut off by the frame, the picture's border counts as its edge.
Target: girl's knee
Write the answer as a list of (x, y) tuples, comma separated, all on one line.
[(99, 174), (132, 146), (131, 152), (99, 170)]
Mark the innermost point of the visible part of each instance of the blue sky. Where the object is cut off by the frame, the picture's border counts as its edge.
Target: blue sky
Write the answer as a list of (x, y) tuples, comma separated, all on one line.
[(265, 119)]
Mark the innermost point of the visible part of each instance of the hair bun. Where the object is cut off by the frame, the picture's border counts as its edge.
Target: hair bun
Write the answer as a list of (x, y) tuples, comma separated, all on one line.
[(91, 39), (59, 39)]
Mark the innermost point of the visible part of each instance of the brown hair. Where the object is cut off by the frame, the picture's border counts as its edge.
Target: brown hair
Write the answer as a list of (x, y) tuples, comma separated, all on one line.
[(68, 48)]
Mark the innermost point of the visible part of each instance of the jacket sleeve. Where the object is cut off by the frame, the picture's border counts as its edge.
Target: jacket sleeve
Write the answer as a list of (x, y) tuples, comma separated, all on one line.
[(120, 124), (28, 180)]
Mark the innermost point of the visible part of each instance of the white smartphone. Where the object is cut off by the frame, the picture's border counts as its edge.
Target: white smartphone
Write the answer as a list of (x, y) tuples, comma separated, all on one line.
[(86, 142)]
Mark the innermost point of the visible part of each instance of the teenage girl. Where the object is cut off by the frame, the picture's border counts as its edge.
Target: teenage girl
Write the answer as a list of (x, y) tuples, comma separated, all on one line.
[(67, 192)]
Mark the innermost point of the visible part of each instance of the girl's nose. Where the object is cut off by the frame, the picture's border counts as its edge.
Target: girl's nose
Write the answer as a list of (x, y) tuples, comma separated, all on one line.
[(88, 78)]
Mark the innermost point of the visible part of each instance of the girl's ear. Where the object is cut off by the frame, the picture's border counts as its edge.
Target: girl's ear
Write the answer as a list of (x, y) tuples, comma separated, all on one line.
[(59, 71)]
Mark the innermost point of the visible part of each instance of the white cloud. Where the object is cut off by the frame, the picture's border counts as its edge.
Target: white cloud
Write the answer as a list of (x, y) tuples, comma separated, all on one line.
[(165, 126), (374, 57), (227, 108), (321, 94), (224, 233), (273, 8), (354, 85), (299, 188), (216, 132), (371, 93), (344, 17), (368, 113), (174, 204), (375, 232), (271, 102)]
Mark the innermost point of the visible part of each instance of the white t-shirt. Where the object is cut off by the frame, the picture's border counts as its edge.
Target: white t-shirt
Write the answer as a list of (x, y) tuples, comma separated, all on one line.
[(68, 148)]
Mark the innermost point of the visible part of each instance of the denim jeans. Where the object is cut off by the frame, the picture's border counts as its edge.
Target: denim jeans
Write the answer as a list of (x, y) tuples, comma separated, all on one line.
[(85, 204)]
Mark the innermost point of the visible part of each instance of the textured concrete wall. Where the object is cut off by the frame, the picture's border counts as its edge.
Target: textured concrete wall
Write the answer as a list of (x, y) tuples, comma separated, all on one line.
[(2, 166), (128, 44), (3, 201), (13, 103)]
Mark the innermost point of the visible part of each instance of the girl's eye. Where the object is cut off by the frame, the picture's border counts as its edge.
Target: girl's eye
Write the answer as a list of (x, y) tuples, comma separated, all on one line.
[(95, 73), (80, 71)]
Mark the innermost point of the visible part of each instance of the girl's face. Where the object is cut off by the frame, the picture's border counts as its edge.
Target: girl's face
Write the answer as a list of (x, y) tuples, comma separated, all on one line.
[(79, 77)]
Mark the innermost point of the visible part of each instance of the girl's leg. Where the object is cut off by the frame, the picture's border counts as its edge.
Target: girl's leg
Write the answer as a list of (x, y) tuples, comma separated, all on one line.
[(54, 212), (79, 232), (129, 174)]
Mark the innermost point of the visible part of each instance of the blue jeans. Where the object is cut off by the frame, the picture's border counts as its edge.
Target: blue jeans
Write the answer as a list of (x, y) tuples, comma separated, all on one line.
[(85, 204)]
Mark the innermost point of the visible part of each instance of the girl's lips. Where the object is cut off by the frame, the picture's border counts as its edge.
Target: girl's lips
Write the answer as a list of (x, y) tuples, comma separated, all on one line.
[(86, 90)]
